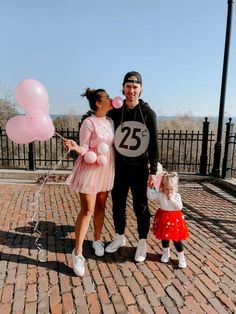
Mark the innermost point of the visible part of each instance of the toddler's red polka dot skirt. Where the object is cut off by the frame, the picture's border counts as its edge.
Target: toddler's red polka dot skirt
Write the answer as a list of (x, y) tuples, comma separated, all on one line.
[(170, 225)]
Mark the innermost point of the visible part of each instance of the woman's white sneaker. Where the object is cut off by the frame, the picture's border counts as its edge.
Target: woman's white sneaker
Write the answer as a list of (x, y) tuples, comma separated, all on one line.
[(98, 247), (78, 264)]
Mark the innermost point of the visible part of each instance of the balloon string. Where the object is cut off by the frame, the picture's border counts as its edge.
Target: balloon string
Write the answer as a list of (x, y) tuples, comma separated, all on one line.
[(51, 170), (34, 206), (59, 135)]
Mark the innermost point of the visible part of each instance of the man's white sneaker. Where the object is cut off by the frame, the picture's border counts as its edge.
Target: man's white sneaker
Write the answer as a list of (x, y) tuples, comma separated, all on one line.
[(165, 255), (118, 242), (78, 264), (98, 247), (141, 251), (182, 262)]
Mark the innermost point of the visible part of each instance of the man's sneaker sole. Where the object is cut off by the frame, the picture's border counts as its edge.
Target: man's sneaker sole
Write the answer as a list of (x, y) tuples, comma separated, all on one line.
[(107, 250)]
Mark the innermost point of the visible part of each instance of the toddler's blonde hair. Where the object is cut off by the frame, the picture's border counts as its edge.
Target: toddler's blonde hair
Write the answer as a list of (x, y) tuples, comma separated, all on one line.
[(169, 179)]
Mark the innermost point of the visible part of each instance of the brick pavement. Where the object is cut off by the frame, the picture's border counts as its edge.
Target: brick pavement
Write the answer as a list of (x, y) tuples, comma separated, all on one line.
[(114, 283)]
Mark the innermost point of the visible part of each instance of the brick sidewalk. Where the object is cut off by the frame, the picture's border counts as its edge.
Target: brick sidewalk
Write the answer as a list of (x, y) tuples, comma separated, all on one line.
[(114, 283)]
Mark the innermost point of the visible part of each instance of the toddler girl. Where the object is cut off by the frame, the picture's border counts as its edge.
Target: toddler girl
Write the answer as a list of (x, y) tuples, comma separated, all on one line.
[(169, 223)]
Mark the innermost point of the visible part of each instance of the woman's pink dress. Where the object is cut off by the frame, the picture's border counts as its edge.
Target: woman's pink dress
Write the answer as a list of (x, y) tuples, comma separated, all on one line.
[(94, 178)]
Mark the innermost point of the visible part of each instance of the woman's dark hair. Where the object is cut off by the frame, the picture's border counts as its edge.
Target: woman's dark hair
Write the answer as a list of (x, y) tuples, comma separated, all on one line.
[(93, 95)]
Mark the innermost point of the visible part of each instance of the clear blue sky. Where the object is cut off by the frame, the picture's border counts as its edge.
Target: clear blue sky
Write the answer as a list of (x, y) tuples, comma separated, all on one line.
[(177, 46)]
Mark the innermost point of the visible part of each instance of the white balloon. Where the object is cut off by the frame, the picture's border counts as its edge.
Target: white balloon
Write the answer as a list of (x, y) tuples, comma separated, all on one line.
[(103, 148), (90, 157)]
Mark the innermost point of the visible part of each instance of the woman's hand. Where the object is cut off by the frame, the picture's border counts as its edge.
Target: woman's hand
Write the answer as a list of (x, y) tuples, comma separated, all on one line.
[(72, 145)]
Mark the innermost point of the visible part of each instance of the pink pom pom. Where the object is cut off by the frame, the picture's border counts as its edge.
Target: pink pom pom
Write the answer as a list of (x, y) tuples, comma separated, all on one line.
[(102, 160), (117, 102), (103, 148), (90, 157)]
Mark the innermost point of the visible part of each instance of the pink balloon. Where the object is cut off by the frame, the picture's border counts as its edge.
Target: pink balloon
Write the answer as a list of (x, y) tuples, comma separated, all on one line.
[(117, 102), (102, 160), (158, 181), (32, 95), (37, 121), (47, 134), (15, 129), (39, 124), (90, 157)]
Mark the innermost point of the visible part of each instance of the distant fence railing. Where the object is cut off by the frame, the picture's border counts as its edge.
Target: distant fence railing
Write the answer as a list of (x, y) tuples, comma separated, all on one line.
[(184, 151)]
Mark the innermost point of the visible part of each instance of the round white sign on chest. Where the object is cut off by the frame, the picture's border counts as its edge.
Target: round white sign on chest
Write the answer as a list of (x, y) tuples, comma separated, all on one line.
[(132, 138)]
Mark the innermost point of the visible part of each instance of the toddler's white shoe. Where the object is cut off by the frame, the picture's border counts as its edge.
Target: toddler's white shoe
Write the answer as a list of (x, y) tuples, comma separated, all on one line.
[(78, 264), (165, 255), (118, 242), (182, 262), (98, 248)]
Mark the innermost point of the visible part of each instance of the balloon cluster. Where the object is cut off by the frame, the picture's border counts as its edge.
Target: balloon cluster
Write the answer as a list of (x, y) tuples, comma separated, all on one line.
[(37, 124), (91, 157)]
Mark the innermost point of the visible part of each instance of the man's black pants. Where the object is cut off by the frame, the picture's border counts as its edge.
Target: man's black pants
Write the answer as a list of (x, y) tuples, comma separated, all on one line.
[(133, 176)]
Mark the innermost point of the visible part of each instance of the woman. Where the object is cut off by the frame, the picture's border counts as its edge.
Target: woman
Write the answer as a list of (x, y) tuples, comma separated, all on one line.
[(93, 172)]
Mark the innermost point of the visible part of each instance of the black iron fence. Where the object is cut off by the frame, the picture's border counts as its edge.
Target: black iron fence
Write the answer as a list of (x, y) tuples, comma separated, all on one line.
[(185, 151), (229, 160), (36, 155)]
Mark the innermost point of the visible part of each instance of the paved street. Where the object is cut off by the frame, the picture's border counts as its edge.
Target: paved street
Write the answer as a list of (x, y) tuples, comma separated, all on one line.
[(114, 283)]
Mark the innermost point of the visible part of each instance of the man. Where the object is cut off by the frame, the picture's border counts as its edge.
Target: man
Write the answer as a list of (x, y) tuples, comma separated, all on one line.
[(136, 162)]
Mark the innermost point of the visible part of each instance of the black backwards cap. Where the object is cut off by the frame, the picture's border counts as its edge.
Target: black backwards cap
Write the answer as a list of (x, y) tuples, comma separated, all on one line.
[(132, 73)]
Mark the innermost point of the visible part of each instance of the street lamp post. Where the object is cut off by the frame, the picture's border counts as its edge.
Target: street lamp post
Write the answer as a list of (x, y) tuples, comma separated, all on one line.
[(217, 152)]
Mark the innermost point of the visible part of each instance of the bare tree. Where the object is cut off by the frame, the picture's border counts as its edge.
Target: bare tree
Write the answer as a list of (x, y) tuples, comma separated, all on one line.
[(7, 110), (65, 122)]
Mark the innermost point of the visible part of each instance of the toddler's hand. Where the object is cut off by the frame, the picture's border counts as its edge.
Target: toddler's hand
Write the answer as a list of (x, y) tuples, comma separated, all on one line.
[(170, 196)]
